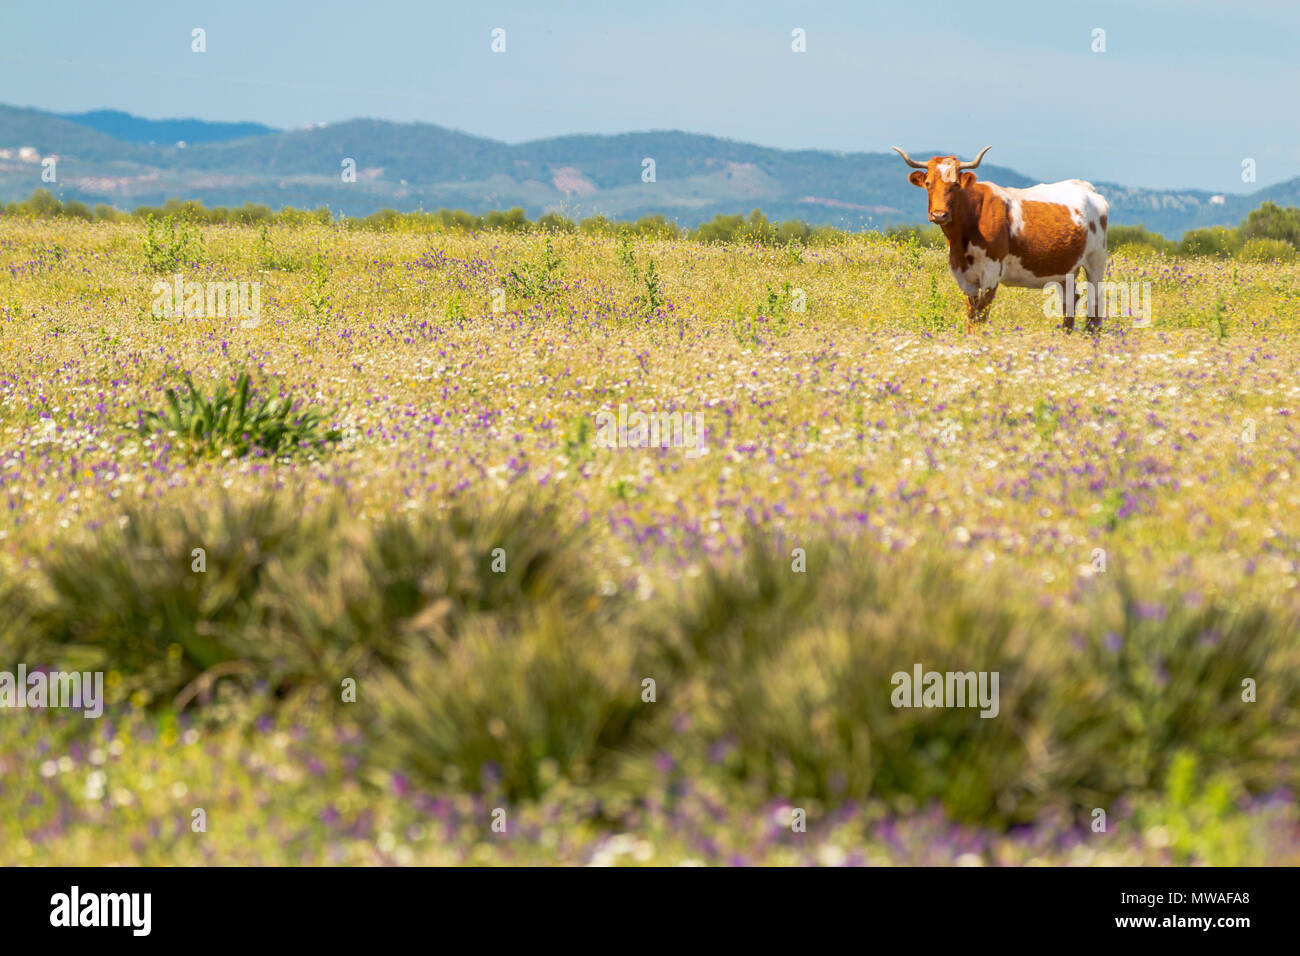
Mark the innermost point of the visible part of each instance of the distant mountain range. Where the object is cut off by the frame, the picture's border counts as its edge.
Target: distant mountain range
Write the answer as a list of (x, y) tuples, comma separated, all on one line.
[(119, 159), (133, 129)]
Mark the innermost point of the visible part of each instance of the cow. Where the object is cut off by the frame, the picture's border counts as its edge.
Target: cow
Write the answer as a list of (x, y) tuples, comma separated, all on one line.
[(1017, 237)]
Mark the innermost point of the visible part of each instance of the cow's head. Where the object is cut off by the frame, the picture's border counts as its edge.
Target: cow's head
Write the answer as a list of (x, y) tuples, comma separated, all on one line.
[(943, 178)]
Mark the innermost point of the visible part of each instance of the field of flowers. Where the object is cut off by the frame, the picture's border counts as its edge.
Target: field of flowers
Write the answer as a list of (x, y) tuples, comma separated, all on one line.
[(1111, 523)]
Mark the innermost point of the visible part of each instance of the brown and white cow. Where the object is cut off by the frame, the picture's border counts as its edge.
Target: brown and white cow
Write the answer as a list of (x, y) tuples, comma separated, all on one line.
[(1016, 237)]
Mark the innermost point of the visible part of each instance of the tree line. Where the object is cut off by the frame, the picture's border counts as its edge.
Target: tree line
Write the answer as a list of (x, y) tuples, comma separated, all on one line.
[(1268, 232)]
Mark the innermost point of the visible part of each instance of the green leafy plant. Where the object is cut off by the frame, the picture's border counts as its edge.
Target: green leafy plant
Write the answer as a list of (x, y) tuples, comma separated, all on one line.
[(652, 300), (744, 328), (1198, 815), (169, 243), (272, 258), (913, 249), (626, 256), (1046, 417), (538, 280), (454, 310), (780, 306), (934, 316), (318, 298), (577, 440), (1218, 320), (236, 421)]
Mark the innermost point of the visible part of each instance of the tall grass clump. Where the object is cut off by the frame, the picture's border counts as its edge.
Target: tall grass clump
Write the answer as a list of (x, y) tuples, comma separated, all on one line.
[(486, 657), (478, 642), (790, 677), (170, 243), (509, 668), (236, 420), (158, 597)]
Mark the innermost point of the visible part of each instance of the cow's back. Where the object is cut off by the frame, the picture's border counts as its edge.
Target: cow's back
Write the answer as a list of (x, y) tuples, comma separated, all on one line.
[(1052, 227)]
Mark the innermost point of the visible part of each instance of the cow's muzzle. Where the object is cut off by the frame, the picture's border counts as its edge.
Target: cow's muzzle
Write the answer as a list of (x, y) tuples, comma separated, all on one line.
[(940, 217)]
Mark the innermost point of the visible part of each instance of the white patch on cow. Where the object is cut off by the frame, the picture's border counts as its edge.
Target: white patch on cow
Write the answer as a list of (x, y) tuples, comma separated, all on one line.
[(1015, 274), (1086, 208), (983, 272), (948, 171), (1072, 193)]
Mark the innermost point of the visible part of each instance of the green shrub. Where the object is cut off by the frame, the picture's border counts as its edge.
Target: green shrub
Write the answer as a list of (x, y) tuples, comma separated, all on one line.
[(41, 204), (1215, 241), (318, 296), (250, 213), (498, 652), (1164, 678), (1271, 221), (1201, 815), (508, 669), (386, 220), (236, 421), (925, 237), (794, 673), (554, 222), (1267, 250), (719, 229), (189, 210), (77, 210), (297, 597), (271, 258), (477, 639), (128, 600), (1268, 222), (1118, 237), (655, 227), (507, 705), (512, 220), (597, 225), (754, 229), (170, 244), (539, 280)]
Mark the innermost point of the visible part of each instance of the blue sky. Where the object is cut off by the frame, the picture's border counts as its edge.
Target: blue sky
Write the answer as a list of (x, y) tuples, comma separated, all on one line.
[(1184, 92)]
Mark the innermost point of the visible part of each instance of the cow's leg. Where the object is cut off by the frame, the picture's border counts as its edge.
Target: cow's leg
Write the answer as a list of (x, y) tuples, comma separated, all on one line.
[(977, 307), (984, 303), (1095, 266), (1069, 301)]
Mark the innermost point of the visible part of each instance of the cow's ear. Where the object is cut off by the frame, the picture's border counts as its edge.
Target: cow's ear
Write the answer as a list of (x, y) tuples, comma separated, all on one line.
[(917, 178), (967, 180)]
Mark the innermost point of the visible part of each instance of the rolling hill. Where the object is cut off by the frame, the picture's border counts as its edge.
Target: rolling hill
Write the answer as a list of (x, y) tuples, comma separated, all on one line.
[(115, 158), (134, 129)]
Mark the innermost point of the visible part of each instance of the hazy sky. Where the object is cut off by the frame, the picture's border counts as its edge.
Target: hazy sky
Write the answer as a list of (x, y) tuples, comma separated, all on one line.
[(1184, 92)]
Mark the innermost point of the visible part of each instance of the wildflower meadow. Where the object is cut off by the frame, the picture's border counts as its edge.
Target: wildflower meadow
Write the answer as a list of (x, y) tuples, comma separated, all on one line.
[(434, 546)]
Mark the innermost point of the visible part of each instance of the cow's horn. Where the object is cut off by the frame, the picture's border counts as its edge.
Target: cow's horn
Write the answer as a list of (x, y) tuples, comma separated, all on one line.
[(908, 159), (977, 159)]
